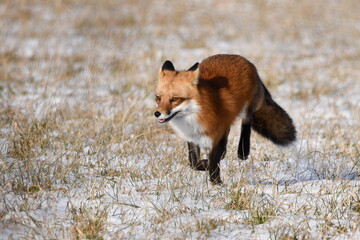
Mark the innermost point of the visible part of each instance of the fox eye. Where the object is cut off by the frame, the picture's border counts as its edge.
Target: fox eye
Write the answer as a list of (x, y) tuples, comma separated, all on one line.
[(174, 99), (157, 98)]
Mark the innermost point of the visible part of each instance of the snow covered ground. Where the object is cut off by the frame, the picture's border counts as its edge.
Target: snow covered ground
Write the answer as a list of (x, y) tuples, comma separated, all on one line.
[(81, 155)]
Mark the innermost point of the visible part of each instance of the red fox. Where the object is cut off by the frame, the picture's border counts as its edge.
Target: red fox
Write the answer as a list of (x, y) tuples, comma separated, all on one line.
[(202, 103)]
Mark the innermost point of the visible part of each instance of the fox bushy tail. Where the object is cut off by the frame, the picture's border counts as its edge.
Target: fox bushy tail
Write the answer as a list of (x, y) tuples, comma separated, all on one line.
[(272, 122)]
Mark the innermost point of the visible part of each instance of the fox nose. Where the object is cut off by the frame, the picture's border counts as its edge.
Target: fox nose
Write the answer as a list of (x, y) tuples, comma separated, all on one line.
[(157, 114)]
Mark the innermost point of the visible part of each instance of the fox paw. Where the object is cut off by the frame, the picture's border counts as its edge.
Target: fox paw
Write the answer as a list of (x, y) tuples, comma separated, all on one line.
[(201, 165), (242, 156)]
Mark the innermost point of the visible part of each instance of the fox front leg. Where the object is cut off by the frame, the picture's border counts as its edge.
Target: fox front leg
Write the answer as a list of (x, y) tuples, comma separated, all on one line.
[(215, 156), (194, 158), (224, 142)]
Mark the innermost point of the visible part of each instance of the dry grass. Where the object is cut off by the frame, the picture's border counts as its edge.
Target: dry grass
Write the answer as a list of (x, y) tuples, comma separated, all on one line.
[(82, 158)]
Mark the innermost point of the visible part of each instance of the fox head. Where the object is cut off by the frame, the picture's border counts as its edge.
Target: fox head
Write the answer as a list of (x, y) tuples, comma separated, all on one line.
[(176, 92)]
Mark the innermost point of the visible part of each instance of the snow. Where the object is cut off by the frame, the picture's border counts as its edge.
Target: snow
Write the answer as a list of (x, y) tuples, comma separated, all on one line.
[(89, 71)]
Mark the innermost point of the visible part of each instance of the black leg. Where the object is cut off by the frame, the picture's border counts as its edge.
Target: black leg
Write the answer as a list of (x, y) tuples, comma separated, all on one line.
[(244, 143), (194, 153), (224, 142), (194, 158), (215, 156)]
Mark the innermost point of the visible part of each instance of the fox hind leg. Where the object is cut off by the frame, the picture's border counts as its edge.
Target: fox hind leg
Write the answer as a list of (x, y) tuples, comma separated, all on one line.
[(244, 143)]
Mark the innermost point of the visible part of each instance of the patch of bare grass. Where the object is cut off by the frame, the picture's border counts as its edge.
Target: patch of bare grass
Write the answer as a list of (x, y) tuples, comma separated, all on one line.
[(81, 156), (88, 223)]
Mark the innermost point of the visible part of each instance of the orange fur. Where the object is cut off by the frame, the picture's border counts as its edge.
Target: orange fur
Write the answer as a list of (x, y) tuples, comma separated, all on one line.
[(227, 84)]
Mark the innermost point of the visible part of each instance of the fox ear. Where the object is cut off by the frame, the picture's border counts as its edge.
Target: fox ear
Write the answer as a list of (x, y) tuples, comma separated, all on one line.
[(194, 67), (168, 66), (195, 80)]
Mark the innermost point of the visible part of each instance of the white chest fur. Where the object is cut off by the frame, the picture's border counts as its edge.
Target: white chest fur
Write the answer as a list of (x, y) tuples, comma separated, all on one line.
[(188, 128)]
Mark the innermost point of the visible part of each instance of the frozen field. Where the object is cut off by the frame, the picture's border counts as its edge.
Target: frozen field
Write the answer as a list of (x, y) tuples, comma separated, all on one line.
[(82, 157)]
